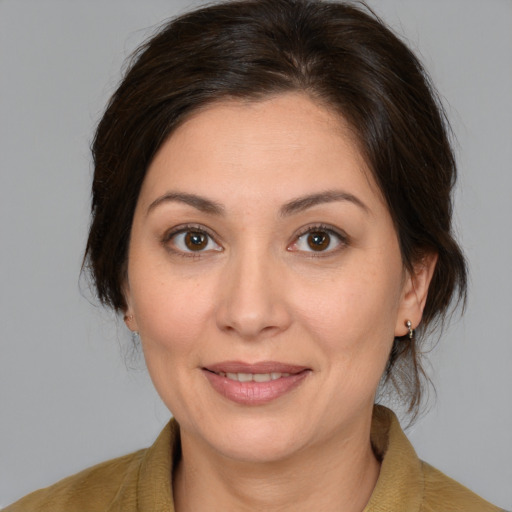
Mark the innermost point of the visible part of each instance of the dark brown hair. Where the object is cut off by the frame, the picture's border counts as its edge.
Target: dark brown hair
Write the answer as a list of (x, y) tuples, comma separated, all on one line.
[(340, 55)]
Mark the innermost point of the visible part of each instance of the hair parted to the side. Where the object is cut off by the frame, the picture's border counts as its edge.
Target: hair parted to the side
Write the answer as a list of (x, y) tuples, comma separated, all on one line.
[(340, 55)]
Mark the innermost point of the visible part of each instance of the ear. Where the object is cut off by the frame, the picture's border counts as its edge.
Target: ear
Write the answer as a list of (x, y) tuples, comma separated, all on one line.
[(414, 293), (129, 320), (129, 317)]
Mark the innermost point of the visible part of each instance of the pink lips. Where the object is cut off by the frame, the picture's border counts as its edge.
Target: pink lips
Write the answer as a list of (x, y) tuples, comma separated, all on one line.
[(268, 386)]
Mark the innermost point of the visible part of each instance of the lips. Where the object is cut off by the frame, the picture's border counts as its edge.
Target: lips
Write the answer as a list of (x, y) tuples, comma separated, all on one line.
[(254, 384), (254, 377)]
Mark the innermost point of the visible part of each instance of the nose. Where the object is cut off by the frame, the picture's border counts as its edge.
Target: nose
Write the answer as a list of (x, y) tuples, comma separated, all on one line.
[(252, 300)]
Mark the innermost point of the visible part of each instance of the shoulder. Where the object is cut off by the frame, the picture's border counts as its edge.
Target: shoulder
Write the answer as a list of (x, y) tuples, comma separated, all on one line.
[(406, 483), (443, 493), (138, 481), (93, 489)]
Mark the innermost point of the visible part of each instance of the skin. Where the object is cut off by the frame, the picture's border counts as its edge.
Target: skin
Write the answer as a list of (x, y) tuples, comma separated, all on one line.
[(258, 292)]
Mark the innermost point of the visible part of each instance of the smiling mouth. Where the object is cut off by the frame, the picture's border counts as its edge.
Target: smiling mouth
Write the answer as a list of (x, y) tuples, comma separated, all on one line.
[(254, 384), (253, 377)]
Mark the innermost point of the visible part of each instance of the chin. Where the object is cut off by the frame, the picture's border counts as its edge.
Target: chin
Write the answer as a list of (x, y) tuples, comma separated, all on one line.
[(257, 441), (263, 452)]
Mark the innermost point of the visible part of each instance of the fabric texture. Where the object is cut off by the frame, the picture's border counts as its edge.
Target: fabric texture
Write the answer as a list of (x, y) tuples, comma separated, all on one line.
[(141, 481)]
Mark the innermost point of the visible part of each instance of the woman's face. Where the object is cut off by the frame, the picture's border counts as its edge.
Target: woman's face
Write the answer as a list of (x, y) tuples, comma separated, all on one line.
[(265, 279)]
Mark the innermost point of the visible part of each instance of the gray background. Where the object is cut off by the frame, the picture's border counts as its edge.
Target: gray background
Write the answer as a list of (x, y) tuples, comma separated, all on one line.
[(72, 393)]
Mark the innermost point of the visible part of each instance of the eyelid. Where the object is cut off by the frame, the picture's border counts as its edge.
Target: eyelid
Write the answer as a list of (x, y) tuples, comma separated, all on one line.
[(184, 228), (344, 239)]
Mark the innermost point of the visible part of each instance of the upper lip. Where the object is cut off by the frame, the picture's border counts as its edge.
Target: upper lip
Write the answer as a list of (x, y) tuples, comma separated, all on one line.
[(260, 367)]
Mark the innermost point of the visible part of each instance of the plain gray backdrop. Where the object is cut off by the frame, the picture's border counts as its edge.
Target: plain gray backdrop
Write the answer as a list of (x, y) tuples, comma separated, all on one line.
[(71, 392)]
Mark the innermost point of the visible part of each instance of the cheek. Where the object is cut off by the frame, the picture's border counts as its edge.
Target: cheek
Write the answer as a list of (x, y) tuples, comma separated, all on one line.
[(172, 317), (353, 313), (171, 311)]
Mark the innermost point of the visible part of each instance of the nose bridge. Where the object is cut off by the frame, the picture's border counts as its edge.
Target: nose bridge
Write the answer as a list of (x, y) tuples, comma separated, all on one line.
[(253, 302)]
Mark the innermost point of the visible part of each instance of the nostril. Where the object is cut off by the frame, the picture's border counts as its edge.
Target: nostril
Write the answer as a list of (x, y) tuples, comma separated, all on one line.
[(252, 302)]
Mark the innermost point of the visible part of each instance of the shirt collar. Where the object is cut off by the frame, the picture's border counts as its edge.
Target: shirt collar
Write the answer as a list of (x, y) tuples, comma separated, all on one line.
[(399, 486)]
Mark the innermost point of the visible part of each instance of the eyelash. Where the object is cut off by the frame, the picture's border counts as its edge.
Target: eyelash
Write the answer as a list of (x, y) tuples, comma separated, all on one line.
[(342, 238), (189, 228)]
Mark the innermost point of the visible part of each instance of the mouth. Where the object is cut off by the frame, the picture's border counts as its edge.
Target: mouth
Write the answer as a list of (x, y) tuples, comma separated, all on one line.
[(253, 377), (254, 384)]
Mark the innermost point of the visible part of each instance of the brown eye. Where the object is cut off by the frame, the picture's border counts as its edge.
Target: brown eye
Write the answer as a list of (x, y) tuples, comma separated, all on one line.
[(191, 240), (318, 240), (195, 240)]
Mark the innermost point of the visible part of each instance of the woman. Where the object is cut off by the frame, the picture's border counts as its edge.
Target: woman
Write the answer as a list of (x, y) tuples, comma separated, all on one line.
[(272, 217)]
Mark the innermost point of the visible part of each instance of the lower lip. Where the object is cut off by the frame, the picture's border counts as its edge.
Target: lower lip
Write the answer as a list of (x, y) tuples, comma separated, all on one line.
[(254, 393)]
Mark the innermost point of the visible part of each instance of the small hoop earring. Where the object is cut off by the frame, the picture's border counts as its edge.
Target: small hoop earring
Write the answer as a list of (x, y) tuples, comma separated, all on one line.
[(135, 337), (408, 324)]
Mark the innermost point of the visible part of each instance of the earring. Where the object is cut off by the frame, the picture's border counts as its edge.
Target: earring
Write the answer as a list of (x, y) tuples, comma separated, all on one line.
[(408, 324), (135, 334)]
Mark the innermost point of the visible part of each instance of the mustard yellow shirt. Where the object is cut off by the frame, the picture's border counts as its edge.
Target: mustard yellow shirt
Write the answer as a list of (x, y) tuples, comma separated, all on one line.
[(141, 481)]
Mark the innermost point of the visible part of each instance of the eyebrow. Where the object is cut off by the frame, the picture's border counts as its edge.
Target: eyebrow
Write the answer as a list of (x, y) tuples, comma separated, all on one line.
[(292, 207), (200, 203), (329, 196)]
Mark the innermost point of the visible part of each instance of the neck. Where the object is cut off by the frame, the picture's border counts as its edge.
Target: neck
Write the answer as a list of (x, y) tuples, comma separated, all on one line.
[(337, 475)]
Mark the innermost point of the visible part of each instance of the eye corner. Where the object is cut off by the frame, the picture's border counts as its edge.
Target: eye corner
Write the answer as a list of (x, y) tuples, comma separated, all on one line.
[(190, 241), (319, 240)]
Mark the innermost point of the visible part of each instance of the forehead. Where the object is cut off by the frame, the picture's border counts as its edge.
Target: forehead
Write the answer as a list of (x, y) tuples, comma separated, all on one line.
[(280, 146)]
